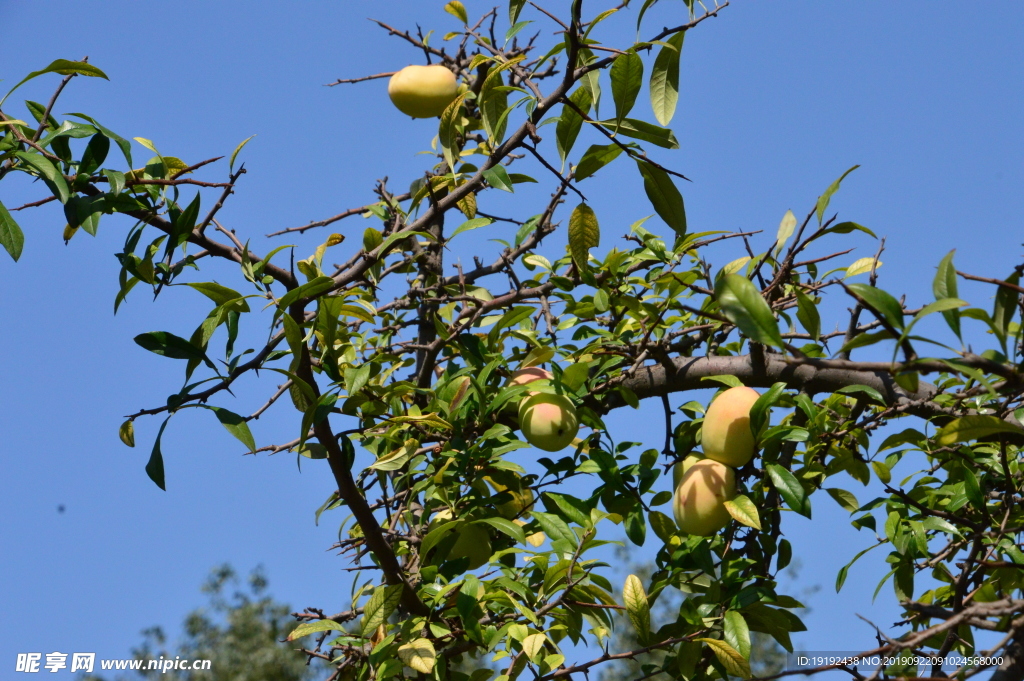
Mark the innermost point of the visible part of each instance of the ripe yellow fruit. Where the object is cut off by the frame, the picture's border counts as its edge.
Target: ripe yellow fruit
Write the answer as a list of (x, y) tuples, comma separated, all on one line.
[(529, 375), (726, 435), (423, 91), (549, 422), (473, 543), (699, 501)]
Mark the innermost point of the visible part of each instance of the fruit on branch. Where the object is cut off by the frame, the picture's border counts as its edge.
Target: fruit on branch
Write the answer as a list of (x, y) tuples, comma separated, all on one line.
[(680, 469), (529, 375), (726, 435), (423, 91), (699, 501), (548, 422), (473, 543)]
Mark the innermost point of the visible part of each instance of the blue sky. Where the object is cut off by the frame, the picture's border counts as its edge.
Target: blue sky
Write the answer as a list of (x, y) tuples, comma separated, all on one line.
[(777, 100)]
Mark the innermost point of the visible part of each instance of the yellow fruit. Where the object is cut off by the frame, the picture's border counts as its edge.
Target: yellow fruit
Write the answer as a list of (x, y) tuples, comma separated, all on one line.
[(699, 501), (529, 375), (680, 469), (423, 91), (726, 435), (548, 421), (473, 543)]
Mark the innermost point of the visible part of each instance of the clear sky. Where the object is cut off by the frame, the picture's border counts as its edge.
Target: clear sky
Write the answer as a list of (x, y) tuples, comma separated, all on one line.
[(777, 100)]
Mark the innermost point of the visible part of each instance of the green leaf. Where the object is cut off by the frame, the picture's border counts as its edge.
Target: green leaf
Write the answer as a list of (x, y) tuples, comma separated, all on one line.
[(448, 132), (231, 163), (95, 153), (572, 508), (737, 633), (643, 10), (944, 286), (475, 223), (882, 303), (493, 104), (844, 498), (790, 489), (436, 535), (155, 465), (64, 68), (1005, 305), (127, 433), (642, 130), (498, 178), (664, 83), (734, 663), (866, 339), (862, 390), (397, 457), (662, 525), (125, 145), (584, 234), (419, 654), (627, 75), (825, 198), (307, 628), (220, 294), (785, 554), (116, 180), (595, 158), (969, 428), (743, 305), (310, 289), (760, 409), (637, 608), (514, 8), (48, 171), (11, 236), (380, 606), (664, 196), (236, 425), (506, 527), (570, 122), (743, 510), (882, 471), (167, 344), (841, 577), (972, 488), (555, 527), (807, 314)]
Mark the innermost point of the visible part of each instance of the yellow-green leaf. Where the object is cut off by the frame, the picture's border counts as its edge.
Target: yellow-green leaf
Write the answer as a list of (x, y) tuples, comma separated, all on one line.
[(786, 229), (457, 10), (862, 266), (127, 433), (231, 163), (307, 628), (742, 509), (418, 655), (584, 234), (967, 428), (637, 608), (733, 662), (533, 645)]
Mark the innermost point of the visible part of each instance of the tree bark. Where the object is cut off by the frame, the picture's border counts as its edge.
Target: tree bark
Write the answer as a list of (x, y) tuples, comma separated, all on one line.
[(688, 373)]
